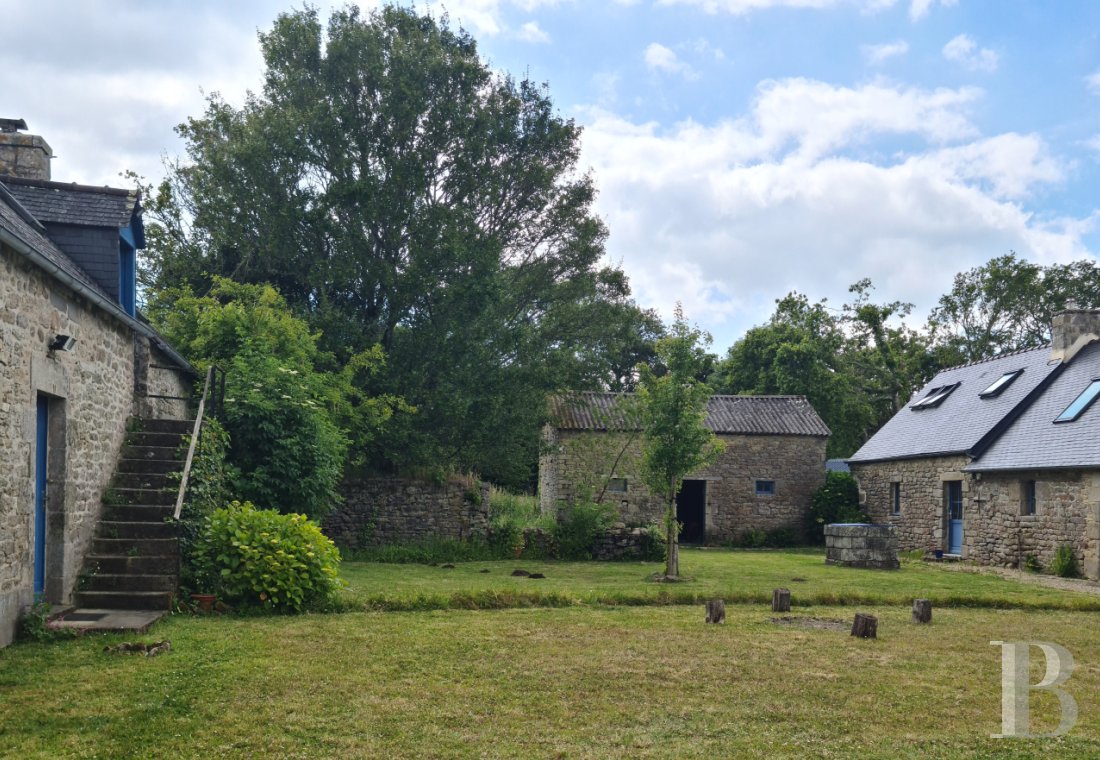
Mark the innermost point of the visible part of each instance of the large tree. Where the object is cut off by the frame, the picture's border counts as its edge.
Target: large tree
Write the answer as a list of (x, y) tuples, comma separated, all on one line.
[(399, 192)]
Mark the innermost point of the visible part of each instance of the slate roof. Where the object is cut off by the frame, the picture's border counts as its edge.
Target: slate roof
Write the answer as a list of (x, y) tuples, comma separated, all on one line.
[(736, 415), (70, 203), (17, 220), (836, 465), (1035, 442), (963, 422)]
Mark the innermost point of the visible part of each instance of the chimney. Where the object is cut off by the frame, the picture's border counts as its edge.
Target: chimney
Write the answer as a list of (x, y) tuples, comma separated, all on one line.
[(25, 156), (1072, 329)]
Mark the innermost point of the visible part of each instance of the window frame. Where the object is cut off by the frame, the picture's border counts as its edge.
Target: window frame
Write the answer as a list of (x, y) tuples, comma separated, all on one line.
[(611, 485), (1029, 499), (1091, 391), (936, 396), (895, 498), (769, 491), (1000, 384)]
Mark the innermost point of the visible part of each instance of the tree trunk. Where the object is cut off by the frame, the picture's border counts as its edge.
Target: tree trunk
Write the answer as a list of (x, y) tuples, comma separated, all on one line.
[(781, 600), (922, 611), (865, 626), (716, 611), (672, 562)]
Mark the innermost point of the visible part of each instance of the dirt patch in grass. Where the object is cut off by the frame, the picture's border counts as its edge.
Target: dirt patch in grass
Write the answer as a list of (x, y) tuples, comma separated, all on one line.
[(813, 623)]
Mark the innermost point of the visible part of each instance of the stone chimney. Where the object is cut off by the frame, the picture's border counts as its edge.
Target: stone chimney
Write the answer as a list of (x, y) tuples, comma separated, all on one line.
[(1072, 329), (26, 156)]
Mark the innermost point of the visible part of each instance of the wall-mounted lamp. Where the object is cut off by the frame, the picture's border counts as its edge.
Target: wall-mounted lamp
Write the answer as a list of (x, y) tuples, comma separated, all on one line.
[(62, 343)]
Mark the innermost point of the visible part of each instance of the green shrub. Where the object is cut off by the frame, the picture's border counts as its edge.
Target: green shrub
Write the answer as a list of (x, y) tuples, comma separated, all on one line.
[(578, 525), (1032, 565), (510, 514), (1064, 563), (207, 490), (780, 538), (835, 502), (263, 557), (753, 538)]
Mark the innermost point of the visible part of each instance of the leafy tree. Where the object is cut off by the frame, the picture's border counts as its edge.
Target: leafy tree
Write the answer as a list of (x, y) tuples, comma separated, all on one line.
[(673, 407), (836, 501), (400, 193)]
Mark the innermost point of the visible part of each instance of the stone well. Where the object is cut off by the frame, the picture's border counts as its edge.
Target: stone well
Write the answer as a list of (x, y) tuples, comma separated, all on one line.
[(861, 545)]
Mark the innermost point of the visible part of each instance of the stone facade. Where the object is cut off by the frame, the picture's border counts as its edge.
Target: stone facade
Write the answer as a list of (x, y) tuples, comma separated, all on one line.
[(861, 545), (995, 529), (26, 156), (575, 463), (383, 511)]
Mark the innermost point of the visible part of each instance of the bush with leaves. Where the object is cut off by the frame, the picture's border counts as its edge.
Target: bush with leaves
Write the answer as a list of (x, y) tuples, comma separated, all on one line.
[(578, 525), (835, 502), (208, 489), (261, 557), (1064, 562)]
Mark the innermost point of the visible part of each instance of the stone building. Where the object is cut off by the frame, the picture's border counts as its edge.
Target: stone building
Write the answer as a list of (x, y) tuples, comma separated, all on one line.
[(773, 462), (997, 461), (76, 361)]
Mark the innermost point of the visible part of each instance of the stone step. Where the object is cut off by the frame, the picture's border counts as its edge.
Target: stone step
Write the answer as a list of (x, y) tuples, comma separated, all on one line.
[(152, 466), (124, 563), (179, 427), (137, 530), (138, 513), (135, 547), (146, 480), (159, 453), (125, 600), (129, 582), (149, 496), (142, 438)]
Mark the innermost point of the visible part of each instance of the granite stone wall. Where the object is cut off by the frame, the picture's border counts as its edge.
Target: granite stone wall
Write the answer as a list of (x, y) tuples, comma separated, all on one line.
[(381, 511), (577, 463), (861, 545)]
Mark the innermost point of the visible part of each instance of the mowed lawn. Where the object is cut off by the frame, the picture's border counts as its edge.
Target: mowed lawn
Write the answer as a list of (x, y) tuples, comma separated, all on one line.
[(736, 576)]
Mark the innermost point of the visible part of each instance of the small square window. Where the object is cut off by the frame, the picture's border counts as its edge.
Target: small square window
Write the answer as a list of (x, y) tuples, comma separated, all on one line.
[(1028, 502), (895, 498), (765, 488), (616, 485)]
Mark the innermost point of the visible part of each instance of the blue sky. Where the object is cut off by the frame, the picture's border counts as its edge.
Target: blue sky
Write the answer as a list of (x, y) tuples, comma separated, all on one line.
[(743, 148)]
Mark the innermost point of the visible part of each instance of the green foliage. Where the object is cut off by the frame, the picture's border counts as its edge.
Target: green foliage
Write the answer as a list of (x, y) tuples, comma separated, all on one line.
[(431, 552), (837, 501), (1032, 564), (781, 538), (208, 489), (510, 514), (1064, 562), (262, 557), (578, 525), (35, 625), (673, 408), (753, 538)]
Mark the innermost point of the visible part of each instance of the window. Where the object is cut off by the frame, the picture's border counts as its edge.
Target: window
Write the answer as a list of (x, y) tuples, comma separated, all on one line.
[(935, 396), (616, 485), (1003, 382), (765, 488), (1028, 501), (895, 498), (1081, 403)]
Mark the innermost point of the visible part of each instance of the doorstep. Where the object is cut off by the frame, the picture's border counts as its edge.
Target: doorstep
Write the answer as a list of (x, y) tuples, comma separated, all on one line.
[(137, 621)]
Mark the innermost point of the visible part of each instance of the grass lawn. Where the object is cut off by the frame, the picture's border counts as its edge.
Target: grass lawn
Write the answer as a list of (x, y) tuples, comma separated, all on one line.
[(737, 576), (582, 682)]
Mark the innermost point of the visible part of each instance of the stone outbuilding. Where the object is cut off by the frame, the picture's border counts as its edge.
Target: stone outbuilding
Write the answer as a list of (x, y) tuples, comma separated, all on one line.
[(997, 461), (773, 462), (76, 361)]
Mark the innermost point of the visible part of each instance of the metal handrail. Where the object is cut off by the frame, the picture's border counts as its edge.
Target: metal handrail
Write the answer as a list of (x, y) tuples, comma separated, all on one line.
[(216, 400)]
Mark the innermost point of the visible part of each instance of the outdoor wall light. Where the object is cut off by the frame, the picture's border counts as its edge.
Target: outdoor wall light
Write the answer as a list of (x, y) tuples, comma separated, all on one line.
[(62, 343)]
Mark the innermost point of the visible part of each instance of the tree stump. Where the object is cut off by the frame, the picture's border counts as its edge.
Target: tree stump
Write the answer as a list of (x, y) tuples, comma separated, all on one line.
[(781, 600), (922, 611), (865, 626), (716, 611)]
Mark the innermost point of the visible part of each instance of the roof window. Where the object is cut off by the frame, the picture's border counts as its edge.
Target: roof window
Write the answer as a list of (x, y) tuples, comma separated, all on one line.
[(935, 396), (1003, 382), (1081, 403)]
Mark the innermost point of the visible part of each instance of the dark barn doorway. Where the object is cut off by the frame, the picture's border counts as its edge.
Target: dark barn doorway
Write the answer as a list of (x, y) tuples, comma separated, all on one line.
[(691, 511)]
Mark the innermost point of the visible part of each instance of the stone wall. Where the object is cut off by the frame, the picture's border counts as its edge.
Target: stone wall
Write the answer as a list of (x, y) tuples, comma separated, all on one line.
[(861, 545), (382, 511), (162, 389), (90, 392), (995, 530), (574, 463)]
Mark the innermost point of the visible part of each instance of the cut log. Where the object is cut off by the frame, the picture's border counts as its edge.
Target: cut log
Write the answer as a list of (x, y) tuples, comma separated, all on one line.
[(922, 611), (865, 626), (781, 600), (716, 611)]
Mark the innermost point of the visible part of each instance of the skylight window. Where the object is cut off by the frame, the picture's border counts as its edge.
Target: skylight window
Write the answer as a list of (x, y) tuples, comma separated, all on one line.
[(1003, 382), (935, 397), (1081, 403)]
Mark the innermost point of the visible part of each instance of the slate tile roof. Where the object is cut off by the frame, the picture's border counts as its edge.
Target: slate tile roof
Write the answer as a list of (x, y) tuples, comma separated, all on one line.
[(736, 415), (963, 420), (70, 203), (1035, 442)]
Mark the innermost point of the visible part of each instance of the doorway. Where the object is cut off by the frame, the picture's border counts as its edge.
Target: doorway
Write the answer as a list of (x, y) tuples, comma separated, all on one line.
[(954, 517), (691, 511), (41, 450)]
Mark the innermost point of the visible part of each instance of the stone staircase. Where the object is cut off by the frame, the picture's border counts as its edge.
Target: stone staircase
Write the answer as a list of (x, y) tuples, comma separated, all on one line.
[(134, 561)]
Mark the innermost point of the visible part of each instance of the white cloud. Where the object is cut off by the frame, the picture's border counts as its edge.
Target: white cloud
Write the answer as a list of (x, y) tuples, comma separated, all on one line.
[(663, 59), (485, 17), (962, 49), (729, 216), (742, 7), (532, 32), (1092, 81), (877, 54), (918, 9)]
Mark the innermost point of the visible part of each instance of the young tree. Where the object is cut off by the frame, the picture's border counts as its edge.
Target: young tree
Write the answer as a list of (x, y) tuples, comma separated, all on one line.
[(673, 409)]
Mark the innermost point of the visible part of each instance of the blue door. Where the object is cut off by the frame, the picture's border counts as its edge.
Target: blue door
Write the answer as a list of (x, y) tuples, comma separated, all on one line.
[(954, 517), (40, 497)]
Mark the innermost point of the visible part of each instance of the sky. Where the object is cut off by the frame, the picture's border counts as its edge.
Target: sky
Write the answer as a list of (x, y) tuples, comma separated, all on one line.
[(742, 148)]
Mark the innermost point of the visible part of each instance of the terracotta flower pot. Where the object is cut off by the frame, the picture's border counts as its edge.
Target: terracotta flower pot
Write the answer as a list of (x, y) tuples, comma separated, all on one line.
[(205, 601)]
